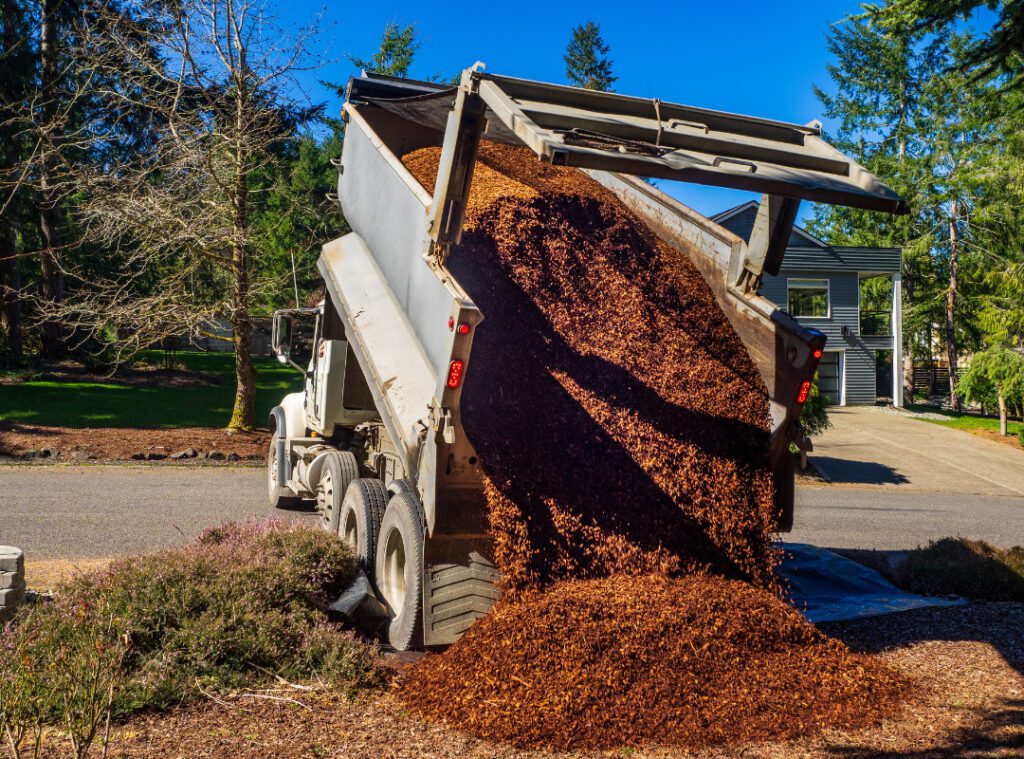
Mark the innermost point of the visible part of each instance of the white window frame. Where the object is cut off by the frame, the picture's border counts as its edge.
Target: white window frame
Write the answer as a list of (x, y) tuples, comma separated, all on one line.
[(811, 283)]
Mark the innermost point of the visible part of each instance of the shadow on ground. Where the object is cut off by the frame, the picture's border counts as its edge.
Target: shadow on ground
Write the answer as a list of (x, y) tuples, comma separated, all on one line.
[(843, 471), (996, 731)]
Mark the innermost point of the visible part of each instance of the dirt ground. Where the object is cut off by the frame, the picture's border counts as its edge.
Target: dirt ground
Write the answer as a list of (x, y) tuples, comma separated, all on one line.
[(39, 444), (968, 662), (1011, 440)]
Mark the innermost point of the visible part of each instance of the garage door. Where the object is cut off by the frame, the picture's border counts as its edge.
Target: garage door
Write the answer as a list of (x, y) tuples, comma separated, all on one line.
[(830, 381)]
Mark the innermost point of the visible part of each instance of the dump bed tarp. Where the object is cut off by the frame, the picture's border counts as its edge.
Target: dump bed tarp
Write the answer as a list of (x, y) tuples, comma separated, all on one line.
[(646, 137), (827, 587)]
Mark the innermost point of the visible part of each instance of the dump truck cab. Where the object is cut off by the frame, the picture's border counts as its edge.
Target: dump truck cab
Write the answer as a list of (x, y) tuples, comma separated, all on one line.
[(376, 437)]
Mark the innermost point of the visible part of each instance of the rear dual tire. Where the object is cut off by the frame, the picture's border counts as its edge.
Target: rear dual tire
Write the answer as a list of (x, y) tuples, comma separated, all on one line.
[(359, 520), (338, 471), (398, 571)]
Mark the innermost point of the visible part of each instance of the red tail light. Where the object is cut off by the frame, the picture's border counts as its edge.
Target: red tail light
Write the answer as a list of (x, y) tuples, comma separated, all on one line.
[(463, 328), (455, 373), (805, 389), (817, 353)]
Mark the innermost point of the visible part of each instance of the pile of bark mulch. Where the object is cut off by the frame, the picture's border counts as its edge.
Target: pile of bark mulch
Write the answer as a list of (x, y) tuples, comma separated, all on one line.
[(37, 443), (623, 431), (695, 661)]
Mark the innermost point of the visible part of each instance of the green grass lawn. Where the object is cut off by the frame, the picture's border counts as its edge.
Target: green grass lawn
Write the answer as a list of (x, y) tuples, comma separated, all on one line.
[(967, 422), (98, 404)]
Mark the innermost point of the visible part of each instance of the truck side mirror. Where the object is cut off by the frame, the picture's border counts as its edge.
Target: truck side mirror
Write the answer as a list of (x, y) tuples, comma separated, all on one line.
[(280, 338), (292, 336)]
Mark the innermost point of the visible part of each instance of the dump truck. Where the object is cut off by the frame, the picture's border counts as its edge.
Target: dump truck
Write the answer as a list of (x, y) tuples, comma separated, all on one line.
[(376, 437)]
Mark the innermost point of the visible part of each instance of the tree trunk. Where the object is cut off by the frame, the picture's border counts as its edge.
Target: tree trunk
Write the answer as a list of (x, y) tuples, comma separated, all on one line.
[(954, 269), (10, 284), (1002, 412), (243, 414), (10, 276), (54, 339)]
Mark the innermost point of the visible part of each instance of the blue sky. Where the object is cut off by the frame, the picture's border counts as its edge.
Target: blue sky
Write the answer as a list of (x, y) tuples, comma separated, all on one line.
[(757, 58)]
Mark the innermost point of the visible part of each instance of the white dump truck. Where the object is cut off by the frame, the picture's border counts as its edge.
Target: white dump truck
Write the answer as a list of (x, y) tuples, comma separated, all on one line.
[(376, 438)]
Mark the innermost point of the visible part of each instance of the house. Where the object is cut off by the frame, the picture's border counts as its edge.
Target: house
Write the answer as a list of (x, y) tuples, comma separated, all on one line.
[(853, 296)]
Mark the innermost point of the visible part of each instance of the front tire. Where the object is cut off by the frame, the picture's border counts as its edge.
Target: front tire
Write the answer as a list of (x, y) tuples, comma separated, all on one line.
[(338, 470), (279, 496), (399, 571)]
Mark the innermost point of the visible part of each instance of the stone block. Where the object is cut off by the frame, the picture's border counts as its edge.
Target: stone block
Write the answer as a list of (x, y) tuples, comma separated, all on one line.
[(12, 559)]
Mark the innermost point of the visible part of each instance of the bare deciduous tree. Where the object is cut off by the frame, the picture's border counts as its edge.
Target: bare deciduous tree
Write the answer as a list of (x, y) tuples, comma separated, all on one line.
[(179, 211)]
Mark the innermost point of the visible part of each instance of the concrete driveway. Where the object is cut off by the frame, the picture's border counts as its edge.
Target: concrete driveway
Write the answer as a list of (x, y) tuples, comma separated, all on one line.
[(873, 446)]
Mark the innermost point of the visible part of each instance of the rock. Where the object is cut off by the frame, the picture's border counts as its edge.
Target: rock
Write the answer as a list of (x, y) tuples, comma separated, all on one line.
[(46, 453), (138, 456), (79, 455), (215, 455), (188, 453), (11, 559), (154, 456), (11, 597), (234, 457)]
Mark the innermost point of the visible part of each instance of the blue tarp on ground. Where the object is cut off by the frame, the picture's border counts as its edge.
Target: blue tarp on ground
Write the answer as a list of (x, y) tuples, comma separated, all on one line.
[(828, 587)]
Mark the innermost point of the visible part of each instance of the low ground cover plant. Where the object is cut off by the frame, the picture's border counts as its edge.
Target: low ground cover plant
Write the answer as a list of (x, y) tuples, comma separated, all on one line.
[(971, 569), (242, 607)]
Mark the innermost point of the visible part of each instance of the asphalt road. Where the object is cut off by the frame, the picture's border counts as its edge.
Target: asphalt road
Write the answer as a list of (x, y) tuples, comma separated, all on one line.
[(70, 512), (889, 518)]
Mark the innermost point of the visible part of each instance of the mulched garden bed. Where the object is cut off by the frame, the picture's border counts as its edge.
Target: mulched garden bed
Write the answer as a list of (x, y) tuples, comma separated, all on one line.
[(40, 444)]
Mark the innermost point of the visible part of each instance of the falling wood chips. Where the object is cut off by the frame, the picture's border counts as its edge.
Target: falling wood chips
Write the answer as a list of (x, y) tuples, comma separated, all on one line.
[(624, 435)]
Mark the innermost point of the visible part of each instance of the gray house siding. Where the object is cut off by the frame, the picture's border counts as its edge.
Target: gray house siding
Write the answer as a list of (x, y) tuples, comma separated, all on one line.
[(808, 258), (844, 297)]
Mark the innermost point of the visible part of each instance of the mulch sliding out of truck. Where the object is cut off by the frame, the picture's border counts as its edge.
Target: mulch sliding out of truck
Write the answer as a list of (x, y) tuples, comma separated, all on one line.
[(624, 431)]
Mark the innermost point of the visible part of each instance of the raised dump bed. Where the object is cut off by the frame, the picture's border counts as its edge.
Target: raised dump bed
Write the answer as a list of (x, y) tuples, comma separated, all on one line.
[(395, 333)]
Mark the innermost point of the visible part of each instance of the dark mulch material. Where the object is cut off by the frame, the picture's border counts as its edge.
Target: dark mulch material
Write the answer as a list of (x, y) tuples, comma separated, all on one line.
[(624, 432), (38, 443)]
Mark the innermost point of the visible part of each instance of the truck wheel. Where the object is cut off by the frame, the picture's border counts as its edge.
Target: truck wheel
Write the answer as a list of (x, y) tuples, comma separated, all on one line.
[(280, 497), (399, 571), (359, 521), (338, 470)]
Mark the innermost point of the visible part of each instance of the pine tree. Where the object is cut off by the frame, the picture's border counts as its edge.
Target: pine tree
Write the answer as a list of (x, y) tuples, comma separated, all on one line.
[(398, 47), (587, 63), (883, 123), (997, 52)]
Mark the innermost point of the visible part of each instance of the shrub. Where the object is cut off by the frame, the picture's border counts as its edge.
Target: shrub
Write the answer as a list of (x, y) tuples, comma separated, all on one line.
[(814, 415), (242, 606), (968, 568)]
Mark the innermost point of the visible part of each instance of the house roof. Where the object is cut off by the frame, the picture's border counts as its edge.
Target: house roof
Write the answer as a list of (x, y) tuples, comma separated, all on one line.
[(807, 253), (800, 237)]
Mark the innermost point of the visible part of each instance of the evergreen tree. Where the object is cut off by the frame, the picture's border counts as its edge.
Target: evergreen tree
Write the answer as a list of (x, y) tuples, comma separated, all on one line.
[(586, 58), (883, 123), (999, 51), (398, 47)]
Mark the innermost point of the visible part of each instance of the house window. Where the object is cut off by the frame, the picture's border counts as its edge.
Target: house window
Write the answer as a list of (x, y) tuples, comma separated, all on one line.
[(808, 298)]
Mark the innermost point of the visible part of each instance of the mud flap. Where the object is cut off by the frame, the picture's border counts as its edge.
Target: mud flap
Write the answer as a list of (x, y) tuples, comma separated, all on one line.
[(459, 586)]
